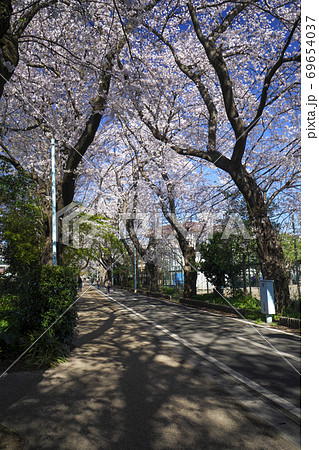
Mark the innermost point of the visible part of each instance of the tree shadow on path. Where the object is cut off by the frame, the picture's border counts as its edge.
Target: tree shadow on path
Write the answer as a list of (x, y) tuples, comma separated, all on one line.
[(121, 389)]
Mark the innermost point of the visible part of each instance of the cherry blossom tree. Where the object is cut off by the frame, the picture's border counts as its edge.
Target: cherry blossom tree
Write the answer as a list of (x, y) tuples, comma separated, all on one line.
[(69, 55), (238, 64), (215, 81), (180, 191), (13, 23), (159, 197)]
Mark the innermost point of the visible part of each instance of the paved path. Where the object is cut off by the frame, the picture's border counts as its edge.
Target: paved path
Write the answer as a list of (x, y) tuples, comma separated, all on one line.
[(270, 359), (122, 389)]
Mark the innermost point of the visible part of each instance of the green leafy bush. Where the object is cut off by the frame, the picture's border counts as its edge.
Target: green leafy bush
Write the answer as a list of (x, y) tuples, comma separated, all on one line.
[(294, 310), (22, 229), (10, 324), (58, 291), (47, 299), (220, 260)]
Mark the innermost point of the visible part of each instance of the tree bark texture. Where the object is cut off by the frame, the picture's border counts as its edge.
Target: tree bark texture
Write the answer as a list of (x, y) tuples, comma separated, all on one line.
[(152, 270), (190, 273), (9, 56), (269, 248)]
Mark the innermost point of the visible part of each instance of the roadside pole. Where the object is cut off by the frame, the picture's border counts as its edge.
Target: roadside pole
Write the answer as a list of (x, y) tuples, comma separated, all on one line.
[(54, 233)]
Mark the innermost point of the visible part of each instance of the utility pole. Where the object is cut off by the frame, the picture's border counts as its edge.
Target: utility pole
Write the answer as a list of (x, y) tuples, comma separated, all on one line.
[(54, 231)]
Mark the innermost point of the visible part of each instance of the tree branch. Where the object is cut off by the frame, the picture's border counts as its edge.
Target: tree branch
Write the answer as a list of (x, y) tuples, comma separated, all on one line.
[(196, 79), (216, 59), (26, 18), (270, 74), (98, 104)]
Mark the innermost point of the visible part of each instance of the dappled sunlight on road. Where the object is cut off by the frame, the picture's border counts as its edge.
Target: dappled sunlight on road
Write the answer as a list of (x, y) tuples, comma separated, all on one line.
[(122, 390)]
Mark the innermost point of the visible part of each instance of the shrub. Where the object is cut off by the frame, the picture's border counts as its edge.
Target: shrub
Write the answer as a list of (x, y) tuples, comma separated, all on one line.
[(293, 310), (220, 259), (47, 297), (10, 324), (58, 291), (22, 221)]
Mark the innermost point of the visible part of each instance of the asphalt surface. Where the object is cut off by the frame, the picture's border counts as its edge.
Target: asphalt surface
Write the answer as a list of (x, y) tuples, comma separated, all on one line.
[(268, 357), (136, 381)]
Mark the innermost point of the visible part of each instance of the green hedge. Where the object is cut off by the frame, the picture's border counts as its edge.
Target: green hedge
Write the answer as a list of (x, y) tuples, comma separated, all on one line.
[(41, 300), (58, 291)]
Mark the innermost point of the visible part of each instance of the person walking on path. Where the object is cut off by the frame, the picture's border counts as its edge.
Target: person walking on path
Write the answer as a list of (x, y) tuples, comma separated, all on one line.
[(107, 286)]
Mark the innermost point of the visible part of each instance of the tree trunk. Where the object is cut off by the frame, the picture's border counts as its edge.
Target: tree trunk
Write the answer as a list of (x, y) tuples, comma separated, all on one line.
[(269, 249), (9, 56), (190, 273), (152, 269), (46, 257)]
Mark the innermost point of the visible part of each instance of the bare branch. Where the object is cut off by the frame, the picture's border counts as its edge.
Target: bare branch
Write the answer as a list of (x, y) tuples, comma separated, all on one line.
[(216, 59), (270, 74)]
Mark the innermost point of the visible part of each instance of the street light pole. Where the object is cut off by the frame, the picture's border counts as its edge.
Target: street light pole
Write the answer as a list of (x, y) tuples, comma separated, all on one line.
[(54, 232)]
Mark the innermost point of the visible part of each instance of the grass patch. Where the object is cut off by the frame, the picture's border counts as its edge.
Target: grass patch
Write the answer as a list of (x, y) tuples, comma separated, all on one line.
[(238, 301), (250, 304), (47, 351), (174, 293)]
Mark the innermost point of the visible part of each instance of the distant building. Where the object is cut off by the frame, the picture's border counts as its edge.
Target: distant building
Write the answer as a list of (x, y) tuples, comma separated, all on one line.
[(3, 268), (3, 265), (172, 260)]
